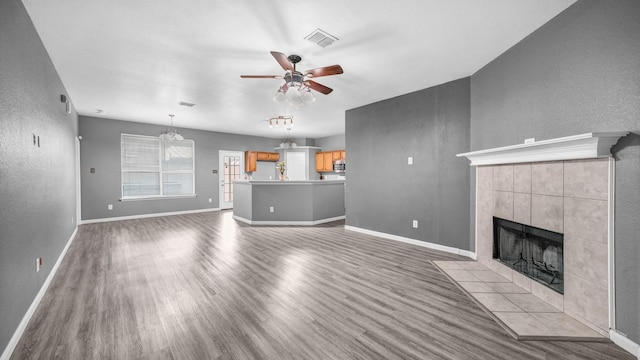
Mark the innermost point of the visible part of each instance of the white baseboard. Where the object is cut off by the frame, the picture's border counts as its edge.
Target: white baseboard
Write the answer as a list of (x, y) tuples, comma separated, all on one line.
[(144, 216), (426, 244), (287, 223), (6, 354), (624, 342)]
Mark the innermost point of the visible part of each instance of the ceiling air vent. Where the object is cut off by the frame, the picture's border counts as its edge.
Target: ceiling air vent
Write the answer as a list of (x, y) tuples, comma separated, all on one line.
[(321, 38), (184, 103)]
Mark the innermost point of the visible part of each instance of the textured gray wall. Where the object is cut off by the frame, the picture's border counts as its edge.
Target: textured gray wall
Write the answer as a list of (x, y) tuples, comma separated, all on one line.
[(37, 185), (264, 170), (329, 143), (384, 193), (100, 149), (578, 73)]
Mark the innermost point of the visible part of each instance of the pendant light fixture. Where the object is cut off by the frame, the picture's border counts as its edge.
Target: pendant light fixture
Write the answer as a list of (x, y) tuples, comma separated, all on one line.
[(171, 133)]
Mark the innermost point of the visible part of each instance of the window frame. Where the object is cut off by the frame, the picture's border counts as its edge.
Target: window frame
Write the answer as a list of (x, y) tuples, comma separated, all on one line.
[(160, 173)]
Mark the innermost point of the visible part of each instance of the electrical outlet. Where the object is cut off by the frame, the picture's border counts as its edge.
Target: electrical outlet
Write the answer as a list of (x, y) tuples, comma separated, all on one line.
[(210, 200), (110, 207), (529, 140), (415, 224), (38, 263), (271, 209), (410, 160)]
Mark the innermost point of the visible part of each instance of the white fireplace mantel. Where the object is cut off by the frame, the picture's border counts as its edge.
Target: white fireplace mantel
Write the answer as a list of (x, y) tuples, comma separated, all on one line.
[(583, 146)]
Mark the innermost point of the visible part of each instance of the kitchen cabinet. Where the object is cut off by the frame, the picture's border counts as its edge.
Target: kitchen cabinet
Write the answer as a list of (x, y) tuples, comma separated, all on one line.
[(268, 156), (252, 157), (319, 162), (325, 159)]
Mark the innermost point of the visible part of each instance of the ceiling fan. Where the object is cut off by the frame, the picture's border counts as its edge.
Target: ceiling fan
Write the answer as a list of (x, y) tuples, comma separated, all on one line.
[(299, 81)]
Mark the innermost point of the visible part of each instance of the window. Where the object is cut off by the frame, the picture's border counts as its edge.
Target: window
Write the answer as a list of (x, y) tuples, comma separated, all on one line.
[(152, 168)]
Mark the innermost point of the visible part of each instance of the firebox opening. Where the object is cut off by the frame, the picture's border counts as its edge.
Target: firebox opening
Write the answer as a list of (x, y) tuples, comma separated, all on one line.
[(534, 252)]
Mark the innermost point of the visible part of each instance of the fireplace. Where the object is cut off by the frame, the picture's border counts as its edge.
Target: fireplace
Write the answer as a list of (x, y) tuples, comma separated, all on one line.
[(563, 185), (531, 251)]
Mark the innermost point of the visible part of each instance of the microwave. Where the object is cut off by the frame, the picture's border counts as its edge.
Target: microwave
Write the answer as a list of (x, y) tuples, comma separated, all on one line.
[(339, 166)]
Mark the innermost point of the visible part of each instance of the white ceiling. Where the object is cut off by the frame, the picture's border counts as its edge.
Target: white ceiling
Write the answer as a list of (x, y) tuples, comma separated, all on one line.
[(137, 59)]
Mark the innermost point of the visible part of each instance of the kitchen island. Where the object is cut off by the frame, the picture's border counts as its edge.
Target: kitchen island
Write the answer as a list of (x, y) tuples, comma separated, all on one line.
[(274, 202)]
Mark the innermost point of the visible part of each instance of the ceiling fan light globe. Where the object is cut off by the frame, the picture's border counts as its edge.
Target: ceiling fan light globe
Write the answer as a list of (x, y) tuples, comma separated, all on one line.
[(296, 103), (308, 97), (293, 93), (280, 97)]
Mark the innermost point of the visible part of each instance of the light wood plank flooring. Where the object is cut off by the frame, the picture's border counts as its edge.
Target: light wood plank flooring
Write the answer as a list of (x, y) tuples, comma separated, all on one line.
[(203, 286)]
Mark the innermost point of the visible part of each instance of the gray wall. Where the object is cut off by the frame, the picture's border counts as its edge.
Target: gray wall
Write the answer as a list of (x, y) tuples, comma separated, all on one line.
[(38, 185), (329, 143), (578, 73), (265, 170), (100, 149), (384, 193)]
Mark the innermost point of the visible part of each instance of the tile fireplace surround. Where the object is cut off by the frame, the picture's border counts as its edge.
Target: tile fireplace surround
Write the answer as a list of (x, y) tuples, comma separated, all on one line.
[(562, 185), (569, 197)]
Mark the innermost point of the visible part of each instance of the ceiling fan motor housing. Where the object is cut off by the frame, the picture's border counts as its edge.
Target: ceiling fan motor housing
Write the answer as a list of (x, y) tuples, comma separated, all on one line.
[(295, 78)]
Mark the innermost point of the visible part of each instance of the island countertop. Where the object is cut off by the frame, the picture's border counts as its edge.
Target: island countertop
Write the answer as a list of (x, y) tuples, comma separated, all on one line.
[(288, 202), (287, 182)]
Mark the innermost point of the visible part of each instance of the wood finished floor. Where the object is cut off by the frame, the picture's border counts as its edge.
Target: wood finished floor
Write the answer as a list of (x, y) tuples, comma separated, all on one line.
[(203, 286)]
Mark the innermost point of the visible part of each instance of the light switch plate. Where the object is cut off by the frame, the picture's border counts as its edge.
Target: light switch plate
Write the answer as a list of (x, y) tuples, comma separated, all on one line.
[(410, 160)]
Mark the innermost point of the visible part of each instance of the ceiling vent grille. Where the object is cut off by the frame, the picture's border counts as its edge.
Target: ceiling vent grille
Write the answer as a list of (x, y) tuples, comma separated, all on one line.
[(321, 37), (188, 104)]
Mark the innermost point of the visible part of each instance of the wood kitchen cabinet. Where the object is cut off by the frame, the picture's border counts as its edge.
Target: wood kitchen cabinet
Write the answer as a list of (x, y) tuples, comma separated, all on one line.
[(252, 157), (319, 162), (268, 156), (325, 159)]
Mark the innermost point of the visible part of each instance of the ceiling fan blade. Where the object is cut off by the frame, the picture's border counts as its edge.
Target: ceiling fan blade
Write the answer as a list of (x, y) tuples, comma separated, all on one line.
[(282, 60), (318, 87), (261, 76), (324, 71)]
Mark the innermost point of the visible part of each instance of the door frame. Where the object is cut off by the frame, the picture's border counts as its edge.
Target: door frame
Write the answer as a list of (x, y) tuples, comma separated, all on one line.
[(221, 185), (78, 216)]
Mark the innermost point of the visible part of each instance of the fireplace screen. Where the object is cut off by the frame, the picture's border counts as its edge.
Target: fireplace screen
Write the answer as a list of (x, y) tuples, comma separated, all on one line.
[(531, 251)]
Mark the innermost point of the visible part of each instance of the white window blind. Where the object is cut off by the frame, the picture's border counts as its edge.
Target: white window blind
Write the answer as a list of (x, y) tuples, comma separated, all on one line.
[(155, 168)]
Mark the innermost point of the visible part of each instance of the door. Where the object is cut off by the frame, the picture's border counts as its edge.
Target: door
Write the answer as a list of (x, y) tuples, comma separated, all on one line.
[(231, 166)]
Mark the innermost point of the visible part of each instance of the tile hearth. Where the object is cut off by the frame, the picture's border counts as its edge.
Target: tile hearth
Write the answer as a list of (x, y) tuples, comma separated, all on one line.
[(524, 315)]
